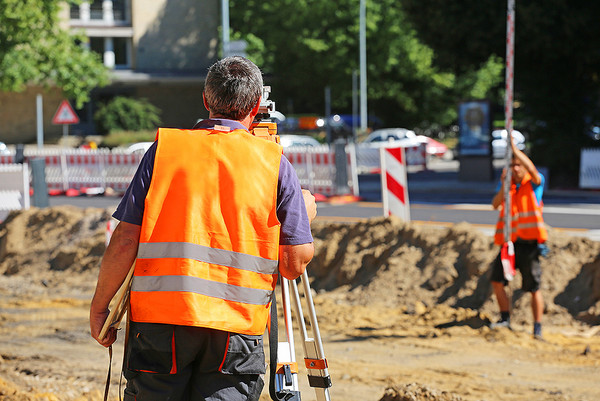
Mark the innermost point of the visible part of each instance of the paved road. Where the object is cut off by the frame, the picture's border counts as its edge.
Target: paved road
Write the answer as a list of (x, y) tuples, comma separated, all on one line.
[(437, 197), (575, 219)]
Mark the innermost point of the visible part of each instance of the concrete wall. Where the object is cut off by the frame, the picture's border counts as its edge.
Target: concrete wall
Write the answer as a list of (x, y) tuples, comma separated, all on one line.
[(181, 104), (18, 122), (175, 35)]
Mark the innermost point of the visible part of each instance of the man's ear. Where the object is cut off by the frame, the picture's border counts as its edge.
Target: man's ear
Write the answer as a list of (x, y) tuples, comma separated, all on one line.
[(254, 111), (204, 101)]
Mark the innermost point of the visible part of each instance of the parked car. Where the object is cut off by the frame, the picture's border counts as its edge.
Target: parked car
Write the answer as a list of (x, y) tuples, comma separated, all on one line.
[(3, 149), (405, 137), (382, 137), (288, 141), (435, 148), (499, 142)]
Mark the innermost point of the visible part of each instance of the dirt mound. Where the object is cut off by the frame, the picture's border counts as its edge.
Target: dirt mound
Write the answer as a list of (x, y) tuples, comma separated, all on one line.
[(55, 246), (417, 392), (379, 261), (433, 285), (388, 261)]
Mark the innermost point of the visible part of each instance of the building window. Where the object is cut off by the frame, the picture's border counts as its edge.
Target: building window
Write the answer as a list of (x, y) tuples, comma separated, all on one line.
[(97, 45), (114, 51), (96, 9), (119, 10), (75, 14), (121, 49)]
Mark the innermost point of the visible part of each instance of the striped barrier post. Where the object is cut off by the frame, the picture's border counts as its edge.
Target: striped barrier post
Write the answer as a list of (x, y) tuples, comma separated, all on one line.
[(394, 185), (14, 188)]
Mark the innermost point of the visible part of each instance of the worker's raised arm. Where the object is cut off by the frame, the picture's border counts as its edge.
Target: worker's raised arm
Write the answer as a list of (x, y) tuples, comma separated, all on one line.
[(499, 197), (527, 164)]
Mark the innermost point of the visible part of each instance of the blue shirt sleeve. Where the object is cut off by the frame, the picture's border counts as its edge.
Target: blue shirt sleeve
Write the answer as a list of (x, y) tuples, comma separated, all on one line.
[(291, 211), (538, 190), (131, 207)]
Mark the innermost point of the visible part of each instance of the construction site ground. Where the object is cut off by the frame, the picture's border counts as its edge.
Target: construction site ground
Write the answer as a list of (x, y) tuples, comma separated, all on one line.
[(404, 313)]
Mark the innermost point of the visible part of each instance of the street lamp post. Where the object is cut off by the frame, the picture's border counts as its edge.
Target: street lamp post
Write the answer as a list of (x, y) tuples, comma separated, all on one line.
[(363, 67), (225, 26)]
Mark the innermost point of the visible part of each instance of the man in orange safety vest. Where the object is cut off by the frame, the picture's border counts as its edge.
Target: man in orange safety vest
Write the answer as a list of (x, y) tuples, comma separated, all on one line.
[(527, 233), (211, 218)]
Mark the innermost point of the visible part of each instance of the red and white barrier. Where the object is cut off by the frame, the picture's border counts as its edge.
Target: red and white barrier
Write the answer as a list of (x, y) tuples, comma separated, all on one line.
[(394, 185), (93, 171), (316, 169), (84, 171), (368, 160)]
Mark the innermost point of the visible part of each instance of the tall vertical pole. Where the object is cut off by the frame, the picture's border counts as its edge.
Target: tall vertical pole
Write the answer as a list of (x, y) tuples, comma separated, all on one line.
[(363, 66), (40, 121), (328, 113), (354, 105), (225, 26), (508, 113)]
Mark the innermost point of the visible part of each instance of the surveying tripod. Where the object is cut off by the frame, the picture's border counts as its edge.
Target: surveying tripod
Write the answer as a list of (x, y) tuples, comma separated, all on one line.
[(285, 386)]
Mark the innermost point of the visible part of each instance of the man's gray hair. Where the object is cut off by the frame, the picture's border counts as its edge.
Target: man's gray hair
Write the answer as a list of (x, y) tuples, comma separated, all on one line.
[(232, 87)]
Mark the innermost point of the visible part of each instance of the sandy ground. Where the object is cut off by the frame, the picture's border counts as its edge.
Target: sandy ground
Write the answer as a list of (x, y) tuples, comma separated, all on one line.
[(404, 313)]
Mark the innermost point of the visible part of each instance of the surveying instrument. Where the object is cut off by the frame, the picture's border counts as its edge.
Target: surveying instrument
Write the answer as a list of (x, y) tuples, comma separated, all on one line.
[(284, 374), (283, 384)]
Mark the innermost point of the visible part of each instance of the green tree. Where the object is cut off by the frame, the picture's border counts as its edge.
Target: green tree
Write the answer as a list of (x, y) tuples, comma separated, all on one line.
[(304, 46), (126, 114), (556, 78), (34, 50)]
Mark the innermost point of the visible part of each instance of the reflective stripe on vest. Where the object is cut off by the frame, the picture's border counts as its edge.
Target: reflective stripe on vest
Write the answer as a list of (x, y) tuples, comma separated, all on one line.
[(185, 250), (198, 285)]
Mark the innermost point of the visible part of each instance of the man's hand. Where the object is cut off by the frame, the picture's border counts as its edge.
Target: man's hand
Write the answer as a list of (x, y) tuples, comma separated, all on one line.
[(311, 205), (97, 320)]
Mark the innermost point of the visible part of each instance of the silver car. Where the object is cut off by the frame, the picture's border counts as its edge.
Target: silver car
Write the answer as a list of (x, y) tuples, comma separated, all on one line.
[(3, 149)]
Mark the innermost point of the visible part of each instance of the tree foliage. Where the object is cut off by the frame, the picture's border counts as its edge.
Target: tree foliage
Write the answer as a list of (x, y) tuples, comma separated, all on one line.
[(557, 60), (34, 50), (126, 114), (306, 45)]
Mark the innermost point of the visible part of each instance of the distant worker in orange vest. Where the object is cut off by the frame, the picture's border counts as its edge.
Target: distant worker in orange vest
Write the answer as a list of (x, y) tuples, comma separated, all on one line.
[(211, 218), (528, 234)]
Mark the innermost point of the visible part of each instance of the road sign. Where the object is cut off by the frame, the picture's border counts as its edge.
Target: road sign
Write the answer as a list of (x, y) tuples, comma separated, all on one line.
[(65, 114)]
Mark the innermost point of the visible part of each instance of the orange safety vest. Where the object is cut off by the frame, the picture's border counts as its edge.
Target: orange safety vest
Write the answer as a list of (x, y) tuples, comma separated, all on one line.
[(209, 243), (526, 215)]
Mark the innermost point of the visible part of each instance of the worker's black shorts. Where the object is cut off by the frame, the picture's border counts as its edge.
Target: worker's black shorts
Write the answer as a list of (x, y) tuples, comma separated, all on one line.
[(168, 362), (527, 261)]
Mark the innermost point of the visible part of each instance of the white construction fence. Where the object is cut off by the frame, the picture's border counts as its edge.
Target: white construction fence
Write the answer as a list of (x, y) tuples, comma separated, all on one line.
[(95, 171), (589, 169)]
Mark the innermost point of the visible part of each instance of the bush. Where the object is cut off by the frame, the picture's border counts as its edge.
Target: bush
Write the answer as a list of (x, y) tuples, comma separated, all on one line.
[(126, 114), (124, 138)]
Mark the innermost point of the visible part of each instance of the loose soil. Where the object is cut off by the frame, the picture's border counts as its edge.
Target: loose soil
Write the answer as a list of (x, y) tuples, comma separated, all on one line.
[(404, 313)]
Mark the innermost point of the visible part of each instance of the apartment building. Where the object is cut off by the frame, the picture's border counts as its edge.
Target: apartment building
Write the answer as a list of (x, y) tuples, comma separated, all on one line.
[(156, 49)]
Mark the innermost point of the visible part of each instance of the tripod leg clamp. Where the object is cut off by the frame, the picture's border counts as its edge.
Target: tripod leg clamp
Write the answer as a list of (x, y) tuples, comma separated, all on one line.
[(319, 381)]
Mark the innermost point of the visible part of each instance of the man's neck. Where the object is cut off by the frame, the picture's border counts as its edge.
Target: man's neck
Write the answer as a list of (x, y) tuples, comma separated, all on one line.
[(246, 122)]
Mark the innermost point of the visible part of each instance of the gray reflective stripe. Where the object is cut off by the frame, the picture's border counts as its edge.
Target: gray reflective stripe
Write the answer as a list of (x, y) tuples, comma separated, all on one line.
[(527, 214), (186, 250), (530, 225), (201, 286)]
